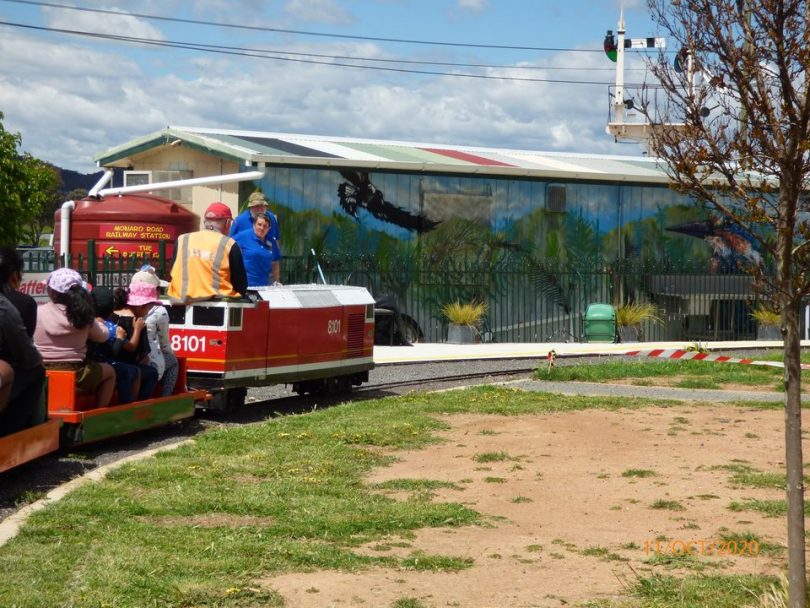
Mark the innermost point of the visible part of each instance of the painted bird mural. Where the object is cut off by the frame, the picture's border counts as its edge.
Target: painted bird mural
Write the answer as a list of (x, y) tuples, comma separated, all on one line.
[(733, 247), (358, 192)]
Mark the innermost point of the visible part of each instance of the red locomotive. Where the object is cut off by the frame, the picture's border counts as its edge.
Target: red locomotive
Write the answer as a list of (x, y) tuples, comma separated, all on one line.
[(315, 337)]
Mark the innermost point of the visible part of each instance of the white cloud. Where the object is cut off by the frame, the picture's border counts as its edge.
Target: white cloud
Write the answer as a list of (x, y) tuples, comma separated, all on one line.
[(122, 25), (318, 11), (475, 6)]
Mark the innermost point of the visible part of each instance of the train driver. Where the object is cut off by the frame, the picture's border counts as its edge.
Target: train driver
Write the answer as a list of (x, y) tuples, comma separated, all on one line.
[(208, 263), (257, 205)]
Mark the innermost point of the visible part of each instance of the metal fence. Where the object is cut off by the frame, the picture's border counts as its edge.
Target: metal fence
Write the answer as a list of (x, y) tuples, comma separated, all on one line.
[(526, 301)]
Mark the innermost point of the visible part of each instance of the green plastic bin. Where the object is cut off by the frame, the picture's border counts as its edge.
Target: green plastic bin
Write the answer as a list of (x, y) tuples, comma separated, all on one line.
[(600, 323)]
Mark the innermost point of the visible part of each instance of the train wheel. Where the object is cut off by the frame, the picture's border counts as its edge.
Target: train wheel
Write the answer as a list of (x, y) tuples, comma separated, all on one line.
[(345, 383), (235, 398), (228, 399), (410, 330)]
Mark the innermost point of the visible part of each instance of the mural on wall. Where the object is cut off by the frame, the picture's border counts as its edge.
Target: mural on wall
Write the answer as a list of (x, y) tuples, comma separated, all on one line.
[(732, 246), (355, 213), (357, 192)]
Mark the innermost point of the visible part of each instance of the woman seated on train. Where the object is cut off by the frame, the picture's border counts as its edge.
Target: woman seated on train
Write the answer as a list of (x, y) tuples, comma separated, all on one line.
[(258, 252), (11, 271), (135, 350), (127, 376), (22, 373), (64, 325), (6, 380)]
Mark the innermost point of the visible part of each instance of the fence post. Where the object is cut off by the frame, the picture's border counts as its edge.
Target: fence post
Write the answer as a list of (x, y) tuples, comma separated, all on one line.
[(162, 261), (91, 261)]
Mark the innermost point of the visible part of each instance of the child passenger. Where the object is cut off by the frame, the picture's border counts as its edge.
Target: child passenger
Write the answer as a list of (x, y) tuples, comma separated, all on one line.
[(64, 325), (127, 376), (143, 301), (135, 350)]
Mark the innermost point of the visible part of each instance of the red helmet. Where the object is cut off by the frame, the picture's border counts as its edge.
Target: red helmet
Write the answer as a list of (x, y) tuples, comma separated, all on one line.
[(218, 211)]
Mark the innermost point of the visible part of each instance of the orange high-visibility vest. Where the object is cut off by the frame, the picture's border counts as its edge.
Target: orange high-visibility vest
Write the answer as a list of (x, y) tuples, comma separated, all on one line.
[(201, 268)]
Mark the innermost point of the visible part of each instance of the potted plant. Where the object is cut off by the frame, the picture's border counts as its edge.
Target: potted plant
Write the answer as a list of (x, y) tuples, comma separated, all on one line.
[(629, 318), (768, 321), (464, 321)]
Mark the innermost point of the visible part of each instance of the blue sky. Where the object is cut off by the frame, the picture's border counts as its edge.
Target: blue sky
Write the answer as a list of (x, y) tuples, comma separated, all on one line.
[(73, 96)]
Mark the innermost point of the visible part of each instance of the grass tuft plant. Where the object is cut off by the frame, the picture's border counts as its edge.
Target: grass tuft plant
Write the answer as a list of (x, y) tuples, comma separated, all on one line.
[(470, 314)]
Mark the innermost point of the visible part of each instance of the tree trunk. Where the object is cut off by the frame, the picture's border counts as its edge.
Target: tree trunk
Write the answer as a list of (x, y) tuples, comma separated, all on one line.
[(797, 575)]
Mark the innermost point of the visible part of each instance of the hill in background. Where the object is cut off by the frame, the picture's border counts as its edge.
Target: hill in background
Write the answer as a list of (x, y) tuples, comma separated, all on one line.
[(71, 180)]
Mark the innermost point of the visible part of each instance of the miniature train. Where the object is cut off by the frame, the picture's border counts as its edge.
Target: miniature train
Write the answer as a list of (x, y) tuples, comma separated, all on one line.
[(317, 338)]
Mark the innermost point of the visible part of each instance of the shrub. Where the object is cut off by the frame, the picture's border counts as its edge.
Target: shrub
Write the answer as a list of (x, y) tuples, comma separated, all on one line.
[(465, 314), (634, 314)]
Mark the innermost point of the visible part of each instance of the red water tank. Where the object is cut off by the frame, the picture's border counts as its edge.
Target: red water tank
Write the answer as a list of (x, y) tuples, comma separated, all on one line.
[(126, 225)]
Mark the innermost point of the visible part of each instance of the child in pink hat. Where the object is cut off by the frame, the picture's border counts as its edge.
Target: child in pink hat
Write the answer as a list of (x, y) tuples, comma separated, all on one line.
[(143, 301)]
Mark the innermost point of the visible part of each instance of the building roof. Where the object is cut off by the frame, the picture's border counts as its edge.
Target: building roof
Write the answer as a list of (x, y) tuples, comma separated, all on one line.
[(259, 147)]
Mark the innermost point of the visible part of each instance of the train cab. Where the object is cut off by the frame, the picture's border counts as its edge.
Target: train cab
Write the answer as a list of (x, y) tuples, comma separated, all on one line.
[(317, 338)]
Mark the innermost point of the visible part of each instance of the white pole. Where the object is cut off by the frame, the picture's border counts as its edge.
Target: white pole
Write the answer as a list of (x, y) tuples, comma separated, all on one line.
[(64, 230), (101, 183), (618, 104), (180, 183)]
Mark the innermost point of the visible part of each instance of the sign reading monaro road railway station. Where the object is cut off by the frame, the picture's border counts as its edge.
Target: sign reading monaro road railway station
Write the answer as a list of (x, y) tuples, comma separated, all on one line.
[(137, 232)]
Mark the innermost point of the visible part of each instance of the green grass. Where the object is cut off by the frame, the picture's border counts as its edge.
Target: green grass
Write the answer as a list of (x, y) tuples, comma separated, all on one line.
[(701, 374), (707, 383), (200, 525), (670, 561), (758, 479), (416, 485), (769, 508), (701, 591), (744, 540), (667, 505), (638, 473), (407, 602), (435, 563), (491, 457)]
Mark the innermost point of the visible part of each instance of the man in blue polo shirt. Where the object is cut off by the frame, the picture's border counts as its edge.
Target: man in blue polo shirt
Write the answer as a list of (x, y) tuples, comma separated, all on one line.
[(256, 206)]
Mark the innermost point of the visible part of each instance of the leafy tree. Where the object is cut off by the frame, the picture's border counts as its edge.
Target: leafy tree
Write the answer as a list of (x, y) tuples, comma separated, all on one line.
[(25, 185), (41, 189), (740, 96)]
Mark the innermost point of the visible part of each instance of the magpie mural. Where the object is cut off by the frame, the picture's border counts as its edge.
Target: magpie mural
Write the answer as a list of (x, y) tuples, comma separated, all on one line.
[(358, 192)]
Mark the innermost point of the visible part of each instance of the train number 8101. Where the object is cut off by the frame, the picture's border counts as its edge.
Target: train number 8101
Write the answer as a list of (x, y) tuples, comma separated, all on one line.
[(189, 344), (333, 326)]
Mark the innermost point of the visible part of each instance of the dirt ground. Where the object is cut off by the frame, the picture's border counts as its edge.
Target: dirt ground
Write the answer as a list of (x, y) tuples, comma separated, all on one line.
[(563, 524)]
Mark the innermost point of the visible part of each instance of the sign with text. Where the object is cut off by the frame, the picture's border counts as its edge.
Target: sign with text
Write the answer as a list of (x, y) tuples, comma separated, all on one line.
[(35, 285), (137, 232), (127, 249)]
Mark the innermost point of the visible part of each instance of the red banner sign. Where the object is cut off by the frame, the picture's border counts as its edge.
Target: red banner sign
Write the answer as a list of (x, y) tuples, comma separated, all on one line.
[(137, 232)]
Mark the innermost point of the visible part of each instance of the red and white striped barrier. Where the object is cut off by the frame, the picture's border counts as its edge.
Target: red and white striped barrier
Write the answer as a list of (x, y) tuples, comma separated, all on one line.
[(674, 353)]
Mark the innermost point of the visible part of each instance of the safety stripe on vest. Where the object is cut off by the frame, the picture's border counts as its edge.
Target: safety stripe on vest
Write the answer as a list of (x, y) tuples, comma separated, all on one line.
[(218, 257), (182, 245)]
